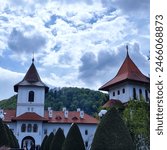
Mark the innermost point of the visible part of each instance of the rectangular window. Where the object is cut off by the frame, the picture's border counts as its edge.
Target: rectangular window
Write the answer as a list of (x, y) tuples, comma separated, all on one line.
[(45, 131), (86, 132), (86, 143)]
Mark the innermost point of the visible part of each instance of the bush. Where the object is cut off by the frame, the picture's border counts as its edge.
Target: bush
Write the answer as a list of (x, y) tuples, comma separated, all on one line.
[(74, 140), (112, 134)]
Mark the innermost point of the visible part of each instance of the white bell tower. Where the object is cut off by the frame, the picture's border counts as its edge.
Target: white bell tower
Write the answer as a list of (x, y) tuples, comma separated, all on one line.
[(31, 93)]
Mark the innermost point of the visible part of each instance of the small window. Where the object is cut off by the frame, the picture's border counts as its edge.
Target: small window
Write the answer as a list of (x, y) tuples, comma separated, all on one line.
[(118, 92), (113, 93), (45, 131), (23, 128), (146, 94), (140, 91), (35, 128), (31, 96), (123, 90), (134, 94), (86, 143), (29, 128), (86, 132)]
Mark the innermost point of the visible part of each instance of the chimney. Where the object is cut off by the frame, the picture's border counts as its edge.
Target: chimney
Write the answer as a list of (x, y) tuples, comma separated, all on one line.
[(81, 114), (64, 108), (50, 112), (66, 114), (78, 109)]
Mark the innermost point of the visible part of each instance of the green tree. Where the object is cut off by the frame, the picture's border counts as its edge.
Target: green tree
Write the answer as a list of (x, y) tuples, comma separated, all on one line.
[(43, 142), (48, 141), (137, 119), (112, 134), (4, 139), (74, 140), (58, 140), (10, 136)]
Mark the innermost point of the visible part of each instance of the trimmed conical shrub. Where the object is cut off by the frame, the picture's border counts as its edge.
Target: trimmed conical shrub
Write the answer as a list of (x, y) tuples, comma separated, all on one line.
[(112, 134), (43, 142), (58, 140), (4, 138), (48, 141), (74, 140)]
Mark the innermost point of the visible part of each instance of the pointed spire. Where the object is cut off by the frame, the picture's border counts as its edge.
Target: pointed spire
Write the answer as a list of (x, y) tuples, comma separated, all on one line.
[(127, 50), (33, 57)]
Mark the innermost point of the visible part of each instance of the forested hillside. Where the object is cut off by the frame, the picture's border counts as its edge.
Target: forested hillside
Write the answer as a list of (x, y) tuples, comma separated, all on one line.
[(69, 97)]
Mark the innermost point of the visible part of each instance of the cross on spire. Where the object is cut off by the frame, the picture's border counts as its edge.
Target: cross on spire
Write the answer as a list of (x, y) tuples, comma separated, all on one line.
[(33, 57), (127, 50)]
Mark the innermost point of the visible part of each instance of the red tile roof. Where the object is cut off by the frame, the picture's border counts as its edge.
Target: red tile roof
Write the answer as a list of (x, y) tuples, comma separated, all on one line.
[(29, 116), (128, 71), (73, 117), (58, 117), (31, 78)]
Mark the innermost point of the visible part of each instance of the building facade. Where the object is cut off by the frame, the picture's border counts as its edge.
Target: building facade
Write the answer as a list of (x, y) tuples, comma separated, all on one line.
[(30, 122)]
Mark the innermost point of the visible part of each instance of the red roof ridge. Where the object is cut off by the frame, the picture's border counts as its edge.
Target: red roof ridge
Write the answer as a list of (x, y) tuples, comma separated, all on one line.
[(29, 116)]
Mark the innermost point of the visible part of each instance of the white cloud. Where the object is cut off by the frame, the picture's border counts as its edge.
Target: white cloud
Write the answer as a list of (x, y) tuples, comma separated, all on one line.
[(7, 80)]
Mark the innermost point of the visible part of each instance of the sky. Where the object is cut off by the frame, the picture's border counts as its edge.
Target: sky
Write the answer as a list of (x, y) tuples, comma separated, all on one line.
[(75, 43)]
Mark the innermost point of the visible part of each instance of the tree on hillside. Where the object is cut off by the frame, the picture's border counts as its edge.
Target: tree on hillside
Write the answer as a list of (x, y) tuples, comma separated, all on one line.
[(4, 139), (58, 140), (112, 134), (48, 141), (137, 119), (43, 142), (74, 140)]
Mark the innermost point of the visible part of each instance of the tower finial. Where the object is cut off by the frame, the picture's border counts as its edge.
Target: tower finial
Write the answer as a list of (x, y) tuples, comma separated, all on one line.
[(33, 57), (127, 50)]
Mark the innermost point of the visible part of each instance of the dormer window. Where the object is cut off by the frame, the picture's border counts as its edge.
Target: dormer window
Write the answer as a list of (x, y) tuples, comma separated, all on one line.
[(31, 96)]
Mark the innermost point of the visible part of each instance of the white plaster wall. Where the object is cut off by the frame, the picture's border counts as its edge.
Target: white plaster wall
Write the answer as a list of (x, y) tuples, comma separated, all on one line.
[(36, 135), (23, 105), (91, 128), (124, 97)]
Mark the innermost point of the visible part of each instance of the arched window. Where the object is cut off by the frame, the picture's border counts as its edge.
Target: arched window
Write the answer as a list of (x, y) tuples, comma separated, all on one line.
[(31, 96), (146, 94), (140, 91), (134, 94), (29, 128), (118, 92), (23, 127), (35, 128), (113, 94), (123, 90)]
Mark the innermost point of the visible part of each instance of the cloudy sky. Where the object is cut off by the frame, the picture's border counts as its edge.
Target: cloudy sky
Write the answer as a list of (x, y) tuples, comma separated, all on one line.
[(75, 43)]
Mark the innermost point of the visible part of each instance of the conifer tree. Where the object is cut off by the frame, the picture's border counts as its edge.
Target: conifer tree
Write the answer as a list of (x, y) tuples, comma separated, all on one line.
[(4, 140), (48, 141), (10, 136), (43, 142), (74, 140), (112, 134), (16, 143), (58, 140)]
